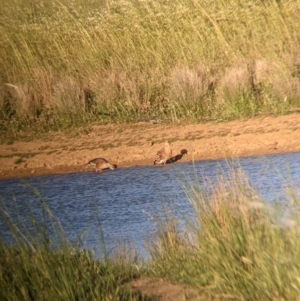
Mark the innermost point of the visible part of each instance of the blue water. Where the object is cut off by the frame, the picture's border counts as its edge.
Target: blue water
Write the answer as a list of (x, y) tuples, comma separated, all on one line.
[(127, 202)]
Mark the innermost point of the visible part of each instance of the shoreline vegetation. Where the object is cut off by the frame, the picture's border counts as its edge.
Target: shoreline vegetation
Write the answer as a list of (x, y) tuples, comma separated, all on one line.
[(238, 246), (66, 64)]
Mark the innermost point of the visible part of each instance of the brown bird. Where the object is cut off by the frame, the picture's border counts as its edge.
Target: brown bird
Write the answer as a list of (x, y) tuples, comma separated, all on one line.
[(164, 154), (101, 163)]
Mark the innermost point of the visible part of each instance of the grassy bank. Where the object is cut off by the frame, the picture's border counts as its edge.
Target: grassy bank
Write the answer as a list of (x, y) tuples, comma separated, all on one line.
[(61, 275), (237, 246), (70, 63)]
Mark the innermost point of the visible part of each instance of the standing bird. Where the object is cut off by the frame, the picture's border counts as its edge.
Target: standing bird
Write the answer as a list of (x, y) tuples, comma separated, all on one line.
[(101, 163), (164, 154)]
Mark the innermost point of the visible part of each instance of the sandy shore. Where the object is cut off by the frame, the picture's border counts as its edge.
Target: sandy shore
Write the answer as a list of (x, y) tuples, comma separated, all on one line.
[(137, 144)]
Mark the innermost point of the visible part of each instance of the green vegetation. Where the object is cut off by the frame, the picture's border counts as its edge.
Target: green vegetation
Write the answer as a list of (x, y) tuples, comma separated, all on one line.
[(237, 246), (61, 275), (10, 142), (19, 160), (21, 155), (68, 63)]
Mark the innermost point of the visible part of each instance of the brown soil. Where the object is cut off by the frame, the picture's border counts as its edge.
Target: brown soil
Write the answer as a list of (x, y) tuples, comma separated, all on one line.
[(137, 144), (163, 290), (159, 289)]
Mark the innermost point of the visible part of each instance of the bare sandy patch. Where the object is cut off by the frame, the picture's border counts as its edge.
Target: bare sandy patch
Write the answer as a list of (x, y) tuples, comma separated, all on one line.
[(164, 290), (137, 144)]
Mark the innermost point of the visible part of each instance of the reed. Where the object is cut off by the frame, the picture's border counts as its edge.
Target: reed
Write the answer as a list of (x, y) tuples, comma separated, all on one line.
[(70, 63), (238, 246)]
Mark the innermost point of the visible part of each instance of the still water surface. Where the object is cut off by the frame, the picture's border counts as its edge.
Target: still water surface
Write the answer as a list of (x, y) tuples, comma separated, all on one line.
[(127, 201)]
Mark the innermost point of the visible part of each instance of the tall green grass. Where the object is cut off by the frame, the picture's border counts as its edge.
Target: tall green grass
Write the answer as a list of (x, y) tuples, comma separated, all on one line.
[(237, 247), (67, 63)]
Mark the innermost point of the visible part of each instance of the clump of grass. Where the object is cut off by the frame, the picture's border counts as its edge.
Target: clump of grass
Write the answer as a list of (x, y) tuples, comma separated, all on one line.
[(66, 274), (67, 64), (106, 146), (10, 142), (19, 160), (236, 247)]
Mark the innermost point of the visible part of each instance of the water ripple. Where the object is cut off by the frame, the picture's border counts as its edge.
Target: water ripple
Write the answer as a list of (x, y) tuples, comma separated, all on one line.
[(129, 200)]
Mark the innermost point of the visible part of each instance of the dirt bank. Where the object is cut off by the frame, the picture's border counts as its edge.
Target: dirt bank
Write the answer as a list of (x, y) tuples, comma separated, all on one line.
[(137, 144)]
